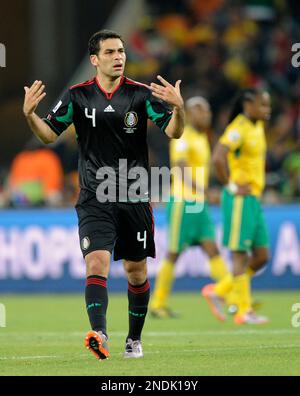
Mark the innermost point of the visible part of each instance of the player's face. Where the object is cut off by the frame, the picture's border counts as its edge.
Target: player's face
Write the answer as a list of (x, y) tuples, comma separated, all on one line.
[(200, 116), (260, 108), (111, 58), (264, 107)]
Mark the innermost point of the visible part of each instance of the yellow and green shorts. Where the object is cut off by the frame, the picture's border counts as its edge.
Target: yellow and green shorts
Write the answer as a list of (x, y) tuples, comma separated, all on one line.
[(188, 227), (244, 226)]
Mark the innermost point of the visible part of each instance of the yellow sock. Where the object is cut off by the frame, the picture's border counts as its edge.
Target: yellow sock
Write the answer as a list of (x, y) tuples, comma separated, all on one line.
[(231, 298), (250, 272), (218, 268), (242, 288), (163, 284), (224, 286)]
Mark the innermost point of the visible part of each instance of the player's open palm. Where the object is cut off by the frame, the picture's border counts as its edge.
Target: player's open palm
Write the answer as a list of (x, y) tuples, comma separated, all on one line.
[(33, 96), (167, 92)]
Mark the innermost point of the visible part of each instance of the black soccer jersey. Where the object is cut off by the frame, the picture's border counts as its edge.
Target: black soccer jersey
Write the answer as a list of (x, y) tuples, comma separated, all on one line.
[(111, 131)]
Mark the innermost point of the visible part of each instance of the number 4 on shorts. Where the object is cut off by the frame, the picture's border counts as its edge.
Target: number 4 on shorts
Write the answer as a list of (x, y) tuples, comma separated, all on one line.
[(144, 239)]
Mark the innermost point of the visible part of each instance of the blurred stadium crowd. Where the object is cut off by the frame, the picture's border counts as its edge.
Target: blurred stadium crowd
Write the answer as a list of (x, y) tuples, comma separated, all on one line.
[(215, 47)]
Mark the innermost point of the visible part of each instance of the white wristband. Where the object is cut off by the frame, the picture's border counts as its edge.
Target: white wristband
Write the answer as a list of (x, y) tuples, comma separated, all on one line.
[(232, 187)]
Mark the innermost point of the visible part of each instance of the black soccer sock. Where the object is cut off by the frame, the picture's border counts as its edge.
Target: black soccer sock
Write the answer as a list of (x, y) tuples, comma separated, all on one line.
[(96, 299), (138, 299)]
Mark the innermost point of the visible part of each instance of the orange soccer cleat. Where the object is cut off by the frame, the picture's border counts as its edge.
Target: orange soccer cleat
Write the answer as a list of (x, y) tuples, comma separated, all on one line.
[(214, 302), (251, 318), (96, 342)]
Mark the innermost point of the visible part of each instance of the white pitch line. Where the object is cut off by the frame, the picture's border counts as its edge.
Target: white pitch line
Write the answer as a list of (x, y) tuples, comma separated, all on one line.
[(185, 351), (28, 357), (221, 350), (209, 333), (221, 333)]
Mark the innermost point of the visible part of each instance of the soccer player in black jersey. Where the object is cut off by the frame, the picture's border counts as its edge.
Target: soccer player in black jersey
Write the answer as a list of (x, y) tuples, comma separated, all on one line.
[(110, 114)]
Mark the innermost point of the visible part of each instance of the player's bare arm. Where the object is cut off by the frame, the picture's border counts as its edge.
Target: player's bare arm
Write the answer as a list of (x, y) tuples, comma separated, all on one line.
[(33, 96), (221, 165), (220, 162), (171, 95)]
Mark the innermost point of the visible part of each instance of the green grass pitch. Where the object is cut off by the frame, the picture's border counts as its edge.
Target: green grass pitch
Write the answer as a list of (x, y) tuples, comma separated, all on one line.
[(44, 336)]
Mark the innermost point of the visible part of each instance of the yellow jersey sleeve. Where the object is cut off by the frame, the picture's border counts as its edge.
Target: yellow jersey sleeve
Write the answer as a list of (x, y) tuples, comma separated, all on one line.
[(179, 150), (232, 137)]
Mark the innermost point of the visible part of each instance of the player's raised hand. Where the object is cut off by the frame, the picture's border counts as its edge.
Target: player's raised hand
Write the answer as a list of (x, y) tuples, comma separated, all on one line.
[(33, 97), (167, 92)]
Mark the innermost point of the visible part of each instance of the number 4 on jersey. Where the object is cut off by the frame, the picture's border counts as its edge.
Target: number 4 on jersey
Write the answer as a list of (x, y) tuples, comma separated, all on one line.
[(91, 116), (144, 239)]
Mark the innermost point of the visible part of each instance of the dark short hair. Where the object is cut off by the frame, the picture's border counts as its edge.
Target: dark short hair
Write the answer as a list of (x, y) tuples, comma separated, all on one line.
[(97, 38)]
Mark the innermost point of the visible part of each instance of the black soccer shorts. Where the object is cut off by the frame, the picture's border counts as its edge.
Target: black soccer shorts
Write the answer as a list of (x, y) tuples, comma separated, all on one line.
[(127, 229)]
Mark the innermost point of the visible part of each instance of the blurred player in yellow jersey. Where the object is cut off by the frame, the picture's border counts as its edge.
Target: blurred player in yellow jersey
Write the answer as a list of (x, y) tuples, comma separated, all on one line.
[(187, 228), (239, 158)]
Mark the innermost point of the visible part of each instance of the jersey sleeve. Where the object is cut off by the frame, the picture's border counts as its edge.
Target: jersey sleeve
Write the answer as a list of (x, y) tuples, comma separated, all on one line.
[(158, 112), (180, 149), (232, 138), (61, 117)]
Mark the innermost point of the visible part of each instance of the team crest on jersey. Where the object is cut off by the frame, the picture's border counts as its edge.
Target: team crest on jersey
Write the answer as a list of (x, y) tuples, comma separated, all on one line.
[(234, 136), (131, 121)]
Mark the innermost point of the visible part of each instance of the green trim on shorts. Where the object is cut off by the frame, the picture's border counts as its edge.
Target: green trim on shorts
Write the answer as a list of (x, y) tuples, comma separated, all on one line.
[(244, 225), (188, 228)]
